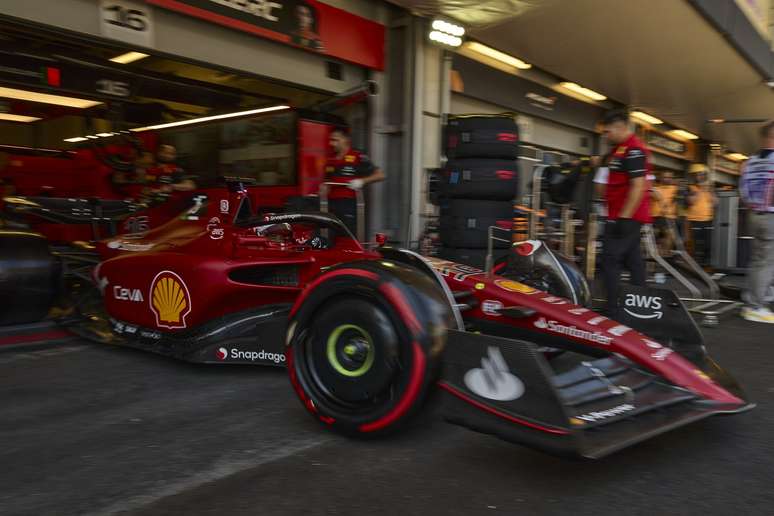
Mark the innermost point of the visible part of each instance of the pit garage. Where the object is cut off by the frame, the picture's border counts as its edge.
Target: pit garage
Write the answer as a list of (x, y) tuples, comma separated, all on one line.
[(187, 328)]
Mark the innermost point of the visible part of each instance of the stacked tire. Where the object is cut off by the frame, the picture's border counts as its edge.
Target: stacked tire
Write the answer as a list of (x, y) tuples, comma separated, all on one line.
[(477, 186)]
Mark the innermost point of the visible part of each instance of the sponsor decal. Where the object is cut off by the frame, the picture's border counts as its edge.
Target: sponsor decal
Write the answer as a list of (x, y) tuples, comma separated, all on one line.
[(601, 415), (145, 334), (619, 330), (554, 300), (139, 224), (224, 208), (527, 247), (456, 271), (493, 380), (128, 246), (596, 321), (169, 300), (578, 311), (127, 294), (572, 331), (504, 175), (480, 286), (213, 228), (515, 286), (491, 307), (252, 356), (633, 304), (661, 352)]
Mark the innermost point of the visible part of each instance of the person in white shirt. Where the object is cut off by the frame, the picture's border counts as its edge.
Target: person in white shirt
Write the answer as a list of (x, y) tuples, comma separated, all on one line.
[(757, 191)]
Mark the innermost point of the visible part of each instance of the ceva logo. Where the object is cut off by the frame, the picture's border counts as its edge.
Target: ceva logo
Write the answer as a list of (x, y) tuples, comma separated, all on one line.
[(633, 303)]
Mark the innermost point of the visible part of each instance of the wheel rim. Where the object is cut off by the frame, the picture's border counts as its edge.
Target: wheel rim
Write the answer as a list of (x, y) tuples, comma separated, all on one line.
[(350, 350)]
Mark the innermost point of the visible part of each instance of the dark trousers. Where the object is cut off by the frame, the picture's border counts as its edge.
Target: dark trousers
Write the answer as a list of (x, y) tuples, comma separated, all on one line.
[(621, 248), (701, 231), (346, 211)]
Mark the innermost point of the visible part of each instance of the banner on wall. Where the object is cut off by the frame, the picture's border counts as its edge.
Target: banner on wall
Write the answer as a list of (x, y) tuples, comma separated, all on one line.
[(307, 24)]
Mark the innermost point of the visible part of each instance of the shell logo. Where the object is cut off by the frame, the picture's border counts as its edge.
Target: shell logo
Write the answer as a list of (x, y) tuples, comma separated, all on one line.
[(515, 286), (169, 300)]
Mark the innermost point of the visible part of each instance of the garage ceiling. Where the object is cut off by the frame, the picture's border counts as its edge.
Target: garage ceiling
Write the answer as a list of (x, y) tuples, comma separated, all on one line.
[(658, 55)]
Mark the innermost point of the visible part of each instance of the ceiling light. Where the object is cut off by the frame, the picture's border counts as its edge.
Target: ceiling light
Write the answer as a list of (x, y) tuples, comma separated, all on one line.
[(17, 118), (76, 139), (210, 118), (508, 59), (449, 28), (770, 84), (644, 117), (685, 135), (45, 98), (105, 135), (717, 120), (586, 92), (446, 39), (737, 156), (129, 57), (91, 136)]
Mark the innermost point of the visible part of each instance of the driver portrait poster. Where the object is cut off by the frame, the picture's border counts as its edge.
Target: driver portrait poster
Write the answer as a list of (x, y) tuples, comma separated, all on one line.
[(307, 24)]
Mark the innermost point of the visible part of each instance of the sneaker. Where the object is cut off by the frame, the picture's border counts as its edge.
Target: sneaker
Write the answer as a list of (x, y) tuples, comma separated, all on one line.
[(763, 315)]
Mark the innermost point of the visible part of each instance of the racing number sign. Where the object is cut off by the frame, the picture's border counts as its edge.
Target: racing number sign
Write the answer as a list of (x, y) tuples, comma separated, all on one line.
[(126, 20)]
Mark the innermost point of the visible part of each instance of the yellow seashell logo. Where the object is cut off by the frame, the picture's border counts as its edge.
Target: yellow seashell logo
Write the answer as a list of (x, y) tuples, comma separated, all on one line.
[(169, 300)]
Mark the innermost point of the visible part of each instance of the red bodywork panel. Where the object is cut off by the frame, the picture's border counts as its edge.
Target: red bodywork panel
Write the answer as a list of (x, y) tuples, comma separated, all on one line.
[(181, 275)]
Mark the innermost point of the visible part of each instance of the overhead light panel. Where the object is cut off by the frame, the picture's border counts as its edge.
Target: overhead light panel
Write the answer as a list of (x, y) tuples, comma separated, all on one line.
[(580, 90), (18, 118), (446, 39), (685, 135), (644, 117), (210, 118), (45, 98), (76, 139), (737, 156), (129, 57), (717, 120), (105, 135), (446, 33), (475, 46), (448, 28)]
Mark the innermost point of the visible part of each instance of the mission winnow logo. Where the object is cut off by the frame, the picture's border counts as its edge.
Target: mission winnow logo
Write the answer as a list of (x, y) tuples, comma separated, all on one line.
[(249, 356)]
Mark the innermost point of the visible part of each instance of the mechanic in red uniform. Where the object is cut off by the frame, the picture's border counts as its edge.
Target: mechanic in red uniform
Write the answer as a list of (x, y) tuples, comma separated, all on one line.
[(628, 205), (166, 175), (348, 166)]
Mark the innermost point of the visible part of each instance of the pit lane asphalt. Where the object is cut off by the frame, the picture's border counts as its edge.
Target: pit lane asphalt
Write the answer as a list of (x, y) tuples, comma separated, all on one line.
[(91, 429)]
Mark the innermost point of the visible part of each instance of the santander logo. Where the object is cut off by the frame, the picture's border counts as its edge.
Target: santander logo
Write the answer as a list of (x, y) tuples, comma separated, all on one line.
[(222, 353)]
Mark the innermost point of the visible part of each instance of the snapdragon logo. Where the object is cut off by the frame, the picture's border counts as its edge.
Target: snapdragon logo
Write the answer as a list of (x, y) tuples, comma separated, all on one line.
[(572, 331), (251, 356)]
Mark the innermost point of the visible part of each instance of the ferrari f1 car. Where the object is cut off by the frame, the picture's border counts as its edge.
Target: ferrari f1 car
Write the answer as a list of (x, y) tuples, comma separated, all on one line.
[(367, 333)]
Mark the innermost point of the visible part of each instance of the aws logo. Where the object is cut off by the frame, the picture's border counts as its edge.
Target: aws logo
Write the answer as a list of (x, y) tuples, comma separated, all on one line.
[(635, 303), (169, 300)]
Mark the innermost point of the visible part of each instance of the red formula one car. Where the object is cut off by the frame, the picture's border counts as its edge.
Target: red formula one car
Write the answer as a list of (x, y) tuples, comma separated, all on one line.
[(367, 333)]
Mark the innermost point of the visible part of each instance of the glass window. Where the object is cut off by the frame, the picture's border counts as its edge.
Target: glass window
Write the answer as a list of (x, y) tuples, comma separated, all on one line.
[(261, 148)]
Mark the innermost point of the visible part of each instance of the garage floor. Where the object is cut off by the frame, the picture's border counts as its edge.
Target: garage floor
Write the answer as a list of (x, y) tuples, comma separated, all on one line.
[(90, 429)]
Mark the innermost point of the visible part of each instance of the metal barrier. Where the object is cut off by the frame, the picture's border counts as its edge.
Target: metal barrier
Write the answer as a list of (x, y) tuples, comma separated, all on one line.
[(710, 309), (359, 206)]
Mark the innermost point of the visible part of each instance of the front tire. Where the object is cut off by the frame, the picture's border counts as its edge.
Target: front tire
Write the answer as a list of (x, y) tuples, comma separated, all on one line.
[(364, 346)]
